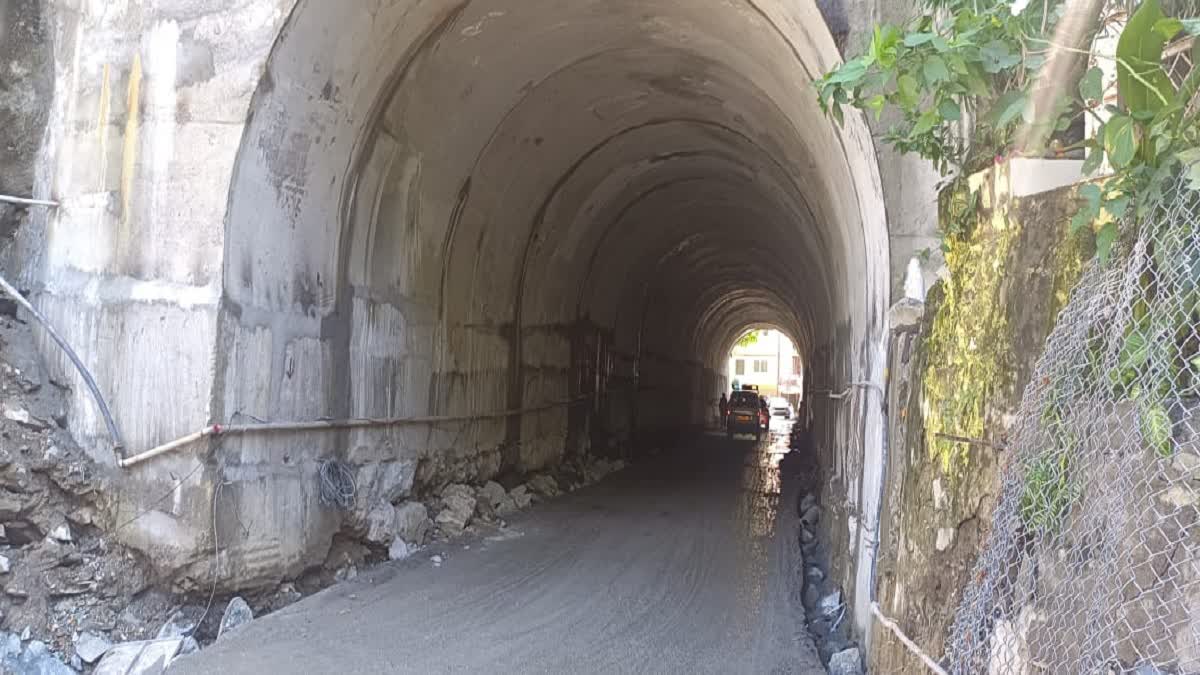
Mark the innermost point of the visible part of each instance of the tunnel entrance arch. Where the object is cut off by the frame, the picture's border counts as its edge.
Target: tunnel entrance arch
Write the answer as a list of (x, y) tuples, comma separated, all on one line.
[(447, 208)]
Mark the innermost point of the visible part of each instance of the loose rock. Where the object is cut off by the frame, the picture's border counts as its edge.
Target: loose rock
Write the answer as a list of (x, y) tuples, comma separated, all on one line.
[(412, 522), (544, 485), (521, 497), (16, 413), (147, 657), (829, 604), (493, 493), (399, 550), (61, 533), (237, 614), (381, 523), (846, 662), (5, 565), (459, 503), (811, 516), (32, 659), (90, 646)]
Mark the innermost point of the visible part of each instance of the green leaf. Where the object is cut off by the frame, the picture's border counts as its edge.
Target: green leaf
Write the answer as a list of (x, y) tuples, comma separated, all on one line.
[(1091, 87), (1104, 242), (1156, 429), (996, 56), (935, 70), (1191, 166), (1008, 107), (883, 45), (925, 122), (950, 111), (1141, 81), (1120, 141), (1091, 194), (849, 72), (940, 44), (907, 87), (917, 39), (875, 104), (1168, 27), (1080, 220), (1117, 207), (836, 109), (1092, 162)]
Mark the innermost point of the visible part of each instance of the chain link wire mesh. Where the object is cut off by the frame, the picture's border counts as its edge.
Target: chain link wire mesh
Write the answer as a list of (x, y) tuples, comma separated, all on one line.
[(1092, 565)]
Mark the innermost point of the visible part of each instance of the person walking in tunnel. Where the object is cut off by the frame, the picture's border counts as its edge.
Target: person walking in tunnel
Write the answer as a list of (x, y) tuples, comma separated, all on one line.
[(723, 410)]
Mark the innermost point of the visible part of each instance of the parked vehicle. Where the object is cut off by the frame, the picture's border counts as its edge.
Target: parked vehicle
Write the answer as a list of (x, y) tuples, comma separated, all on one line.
[(781, 407), (745, 414)]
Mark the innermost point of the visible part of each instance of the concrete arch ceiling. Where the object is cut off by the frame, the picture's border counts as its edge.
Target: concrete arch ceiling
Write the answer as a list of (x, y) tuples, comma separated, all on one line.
[(456, 188)]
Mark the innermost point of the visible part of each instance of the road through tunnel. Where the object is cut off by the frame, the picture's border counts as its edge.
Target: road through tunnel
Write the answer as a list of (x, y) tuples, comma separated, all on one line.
[(569, 209)]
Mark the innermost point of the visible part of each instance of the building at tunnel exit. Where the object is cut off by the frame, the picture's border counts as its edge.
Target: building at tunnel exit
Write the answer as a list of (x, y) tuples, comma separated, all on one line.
[(551, 218)]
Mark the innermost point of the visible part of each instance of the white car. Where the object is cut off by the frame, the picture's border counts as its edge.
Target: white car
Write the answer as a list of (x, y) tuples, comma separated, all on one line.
[(781, 407)]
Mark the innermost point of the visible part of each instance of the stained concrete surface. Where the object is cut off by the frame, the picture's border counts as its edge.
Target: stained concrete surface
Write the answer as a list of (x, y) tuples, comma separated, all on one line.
[(685, 563)]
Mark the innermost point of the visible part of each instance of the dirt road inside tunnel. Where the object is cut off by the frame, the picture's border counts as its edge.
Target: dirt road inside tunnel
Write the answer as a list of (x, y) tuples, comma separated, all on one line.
[(688, 562)]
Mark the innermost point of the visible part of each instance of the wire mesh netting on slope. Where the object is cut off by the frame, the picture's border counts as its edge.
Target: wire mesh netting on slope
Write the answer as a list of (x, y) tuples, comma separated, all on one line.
[(1093, 562)]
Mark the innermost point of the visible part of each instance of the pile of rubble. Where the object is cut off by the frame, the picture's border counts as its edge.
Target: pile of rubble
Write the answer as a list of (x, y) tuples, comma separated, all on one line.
[(396, 530), (64, 585), (72, 600), (828, 619)]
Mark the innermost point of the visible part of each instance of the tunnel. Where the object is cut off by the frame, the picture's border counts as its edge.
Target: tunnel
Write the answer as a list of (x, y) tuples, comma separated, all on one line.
[(553, 217)]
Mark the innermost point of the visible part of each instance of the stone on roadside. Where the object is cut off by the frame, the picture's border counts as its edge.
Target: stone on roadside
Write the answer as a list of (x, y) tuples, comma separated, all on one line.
[(507, 505), (62, 534), (846, 662), (399, 550), (412, 522), (459, 508), (814, 574), (146, 657), (5, 564), (32, 659), (830, 604), (18, 414), (811, 515), (544, 485), (493, 493), (458, 490), (381, 523), (90, 647), (237, 614), (808, 502), (521, 497)]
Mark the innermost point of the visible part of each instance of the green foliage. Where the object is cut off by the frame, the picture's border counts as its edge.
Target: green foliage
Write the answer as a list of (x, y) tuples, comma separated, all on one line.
[(750, 338), (978, 57), (1047, 493)]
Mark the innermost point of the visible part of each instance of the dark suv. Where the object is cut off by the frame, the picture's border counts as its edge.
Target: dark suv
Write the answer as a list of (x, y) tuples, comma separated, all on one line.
[(744, 414)]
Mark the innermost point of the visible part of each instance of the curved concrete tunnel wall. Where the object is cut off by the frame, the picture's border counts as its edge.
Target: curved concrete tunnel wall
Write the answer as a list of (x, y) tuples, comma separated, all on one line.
[(465, 207), (444, 207)]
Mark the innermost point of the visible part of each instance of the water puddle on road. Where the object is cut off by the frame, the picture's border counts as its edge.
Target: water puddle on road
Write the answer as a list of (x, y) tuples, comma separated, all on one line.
[(758, 517)]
